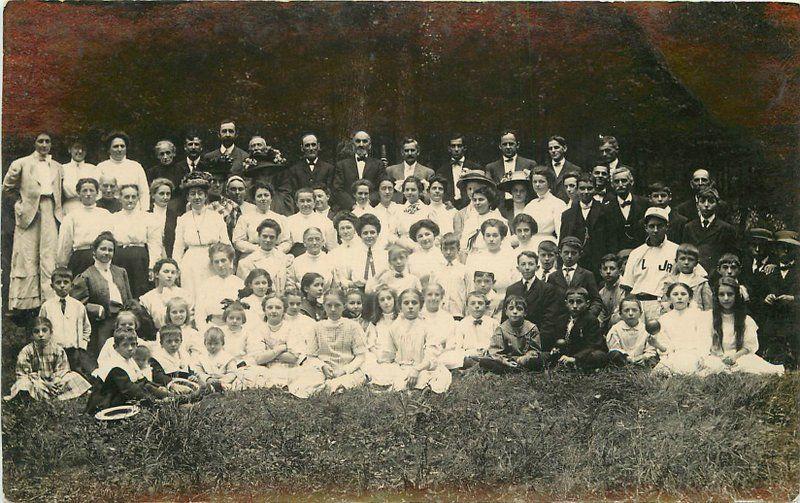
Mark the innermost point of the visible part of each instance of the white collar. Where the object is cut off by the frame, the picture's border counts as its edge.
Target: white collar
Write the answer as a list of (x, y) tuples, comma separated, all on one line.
[(409, 167), (459, 161), (229, 151), (513, 159), (559, 164), (103, 268), (628, 198)]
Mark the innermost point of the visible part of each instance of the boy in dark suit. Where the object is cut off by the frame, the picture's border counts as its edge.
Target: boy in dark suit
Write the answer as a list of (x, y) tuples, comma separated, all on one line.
[(711, 235), (660, 196), (544, 306), (583, 345), (572, 275), (582, 220), (782, 303)]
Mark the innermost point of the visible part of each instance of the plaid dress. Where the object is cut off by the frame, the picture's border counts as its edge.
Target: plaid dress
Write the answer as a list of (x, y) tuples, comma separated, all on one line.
[(36, 367)]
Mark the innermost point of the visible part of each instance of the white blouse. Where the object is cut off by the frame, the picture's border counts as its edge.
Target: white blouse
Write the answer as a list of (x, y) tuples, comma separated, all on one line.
[(80, 228), (72, 173), (298, 223), (202, 229), (138, 228), (546, 210), (245, 234), (276, 263)]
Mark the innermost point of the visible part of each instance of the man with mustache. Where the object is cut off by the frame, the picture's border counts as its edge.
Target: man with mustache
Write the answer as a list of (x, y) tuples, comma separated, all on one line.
[(356, 167)]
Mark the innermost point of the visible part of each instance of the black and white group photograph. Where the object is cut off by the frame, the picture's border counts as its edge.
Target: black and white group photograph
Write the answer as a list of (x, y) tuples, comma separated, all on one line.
[(400, 251)]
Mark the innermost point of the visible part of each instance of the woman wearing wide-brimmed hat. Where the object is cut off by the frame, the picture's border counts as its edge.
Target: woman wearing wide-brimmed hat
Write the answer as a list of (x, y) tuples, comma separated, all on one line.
[(518, 184), (196, 230), (482, 192)]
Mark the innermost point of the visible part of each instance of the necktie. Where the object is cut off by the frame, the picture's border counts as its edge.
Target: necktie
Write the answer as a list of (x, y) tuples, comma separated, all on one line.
[(706, 223), (568, 274), (625, 203), (63, 306), (369, 266)]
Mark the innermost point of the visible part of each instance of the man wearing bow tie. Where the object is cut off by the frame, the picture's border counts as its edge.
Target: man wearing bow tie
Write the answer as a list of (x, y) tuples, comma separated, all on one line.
[(193, 148), (623, 214), (510, 160), (556, 149), (350, 169), (310, 170), (456, 165)]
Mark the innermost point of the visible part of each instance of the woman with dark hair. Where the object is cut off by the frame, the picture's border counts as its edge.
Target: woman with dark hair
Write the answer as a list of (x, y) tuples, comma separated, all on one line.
[(345, 224), (519, 186), (414, 209), (164, 214), (80, 228), (546, 209), (126, 171), (245, 234), (195, 231), (34, 182), (166, 275), (104, 289)]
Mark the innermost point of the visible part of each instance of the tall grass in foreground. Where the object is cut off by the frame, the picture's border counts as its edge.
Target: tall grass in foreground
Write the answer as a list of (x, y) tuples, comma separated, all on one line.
[(613, 435)]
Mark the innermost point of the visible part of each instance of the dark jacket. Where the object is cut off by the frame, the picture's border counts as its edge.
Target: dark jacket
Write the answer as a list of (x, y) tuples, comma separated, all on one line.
[(544, 308)]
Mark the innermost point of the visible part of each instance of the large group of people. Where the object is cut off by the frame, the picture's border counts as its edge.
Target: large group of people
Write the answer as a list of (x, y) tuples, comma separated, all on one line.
[(236, 269)]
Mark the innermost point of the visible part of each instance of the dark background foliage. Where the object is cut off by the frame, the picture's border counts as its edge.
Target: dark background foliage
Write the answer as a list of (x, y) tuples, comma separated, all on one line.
[(681, 85)]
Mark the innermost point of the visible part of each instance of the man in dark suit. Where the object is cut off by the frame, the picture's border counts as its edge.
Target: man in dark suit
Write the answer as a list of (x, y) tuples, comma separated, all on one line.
[(701, 179), (623, 214), (193, 148), (360, 165), (233, 154), (556, 148), (582, 220), (510, 160), (409, 167), (609, 154), (544, 304), (781, 303), (709, 233), (602, 185), (310, 170), (452, 169)]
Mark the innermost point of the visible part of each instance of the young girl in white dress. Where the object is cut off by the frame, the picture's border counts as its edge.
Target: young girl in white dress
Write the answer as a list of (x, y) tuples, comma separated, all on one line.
[(166, 274), (684, 337), (383, 313), (407, 354), (735, 339), (300, 326), (440, 322)]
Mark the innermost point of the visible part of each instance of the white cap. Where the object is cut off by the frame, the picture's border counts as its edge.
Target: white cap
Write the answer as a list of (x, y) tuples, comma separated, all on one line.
[(654, 211)]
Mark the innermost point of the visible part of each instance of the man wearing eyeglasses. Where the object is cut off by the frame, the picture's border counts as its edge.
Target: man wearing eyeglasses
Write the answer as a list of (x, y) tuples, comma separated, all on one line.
[(701, 179)]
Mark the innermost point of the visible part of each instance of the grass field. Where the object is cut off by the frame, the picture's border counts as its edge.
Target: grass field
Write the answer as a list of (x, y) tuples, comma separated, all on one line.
[(615, 435)]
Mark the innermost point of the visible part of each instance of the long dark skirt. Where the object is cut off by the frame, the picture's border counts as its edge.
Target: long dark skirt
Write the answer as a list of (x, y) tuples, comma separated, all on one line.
[(136, 263), (80, 260)]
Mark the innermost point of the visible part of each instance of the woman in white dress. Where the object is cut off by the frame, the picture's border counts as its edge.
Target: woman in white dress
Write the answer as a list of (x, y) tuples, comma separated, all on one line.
[(164, 214), (546, 209), (166, 274), (413, 210), (345, 224), (438, 211), (245, 234), (497, 258), (196, 230), (126, 171), (76, 169)]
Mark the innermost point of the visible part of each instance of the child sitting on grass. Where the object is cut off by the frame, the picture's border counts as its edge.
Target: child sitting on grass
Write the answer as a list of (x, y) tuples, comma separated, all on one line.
[(120, 380), (300, 326), (234, 317), (407, 353), (384, 309), (734, 339), (440, 323), (336, 353), (684, 337), (583, 346), (628, 341), (689, 272), (312, 287), (43, 368), (126, 320), (168, 361), (142, 355), (472, 335), (215, 366), (516, 344)]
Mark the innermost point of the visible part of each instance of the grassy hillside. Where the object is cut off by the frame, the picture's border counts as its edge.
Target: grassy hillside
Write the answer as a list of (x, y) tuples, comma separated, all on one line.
[(612, 435)]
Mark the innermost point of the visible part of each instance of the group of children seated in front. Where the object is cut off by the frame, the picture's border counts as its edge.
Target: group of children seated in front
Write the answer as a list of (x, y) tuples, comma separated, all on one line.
[(402, 331)]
